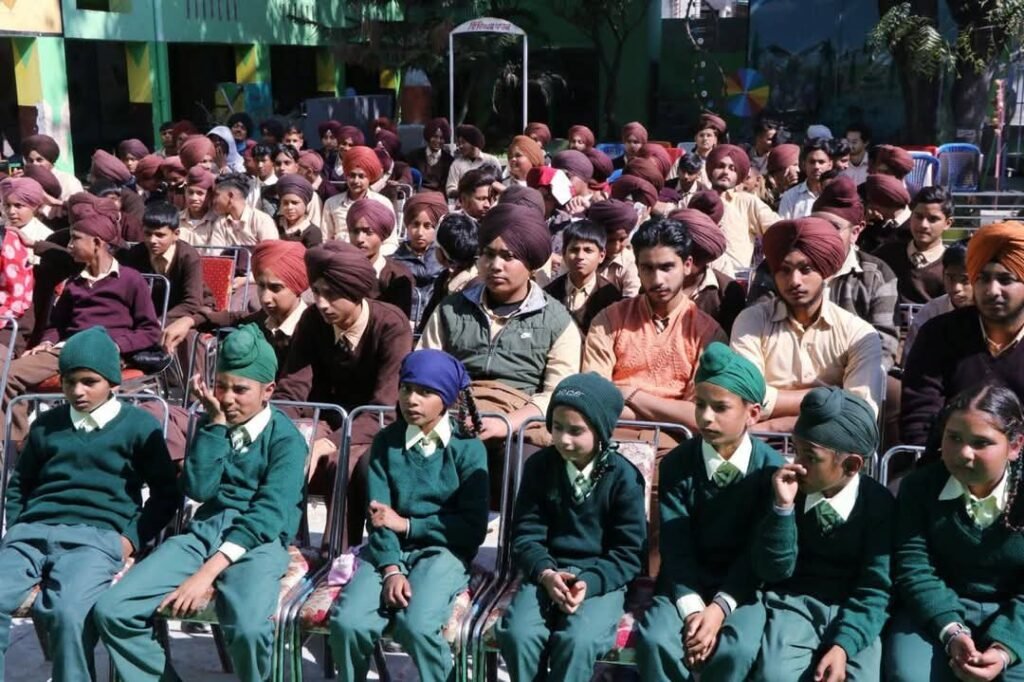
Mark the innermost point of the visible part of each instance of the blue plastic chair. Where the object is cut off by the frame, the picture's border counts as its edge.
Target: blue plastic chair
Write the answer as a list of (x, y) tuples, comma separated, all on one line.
[(612, 149), (959, 167), (925, 173), (417, 178)]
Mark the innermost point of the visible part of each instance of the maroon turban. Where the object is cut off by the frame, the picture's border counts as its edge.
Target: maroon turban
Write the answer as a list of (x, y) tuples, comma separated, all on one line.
[(106, 165), (94, 216), (46, 179), (149, 167), (739, 159), (659, 155), (311, 161), (293, 183), (379, 217), (200, 177), (390, 142), (351, 133), (44, 145), (613, 215), (709, 202), (782, 157), (194, 148), (645, 169), (709, 120), (886, 191), (540, 131), (636, 129), (584, 133), (23, 190), (386, 162), (364, 158), (529, 148), (131, 146), (331, 125), (523, 230), (173, 170), (603, 166), (384, 123), (669, 195), (816, 238), (433, 203), (346, 269), (286, 259), (184, 128), (708, 238), (574, 163), (523, 196), (437, 125), (840, 198), (635, 188), (897, 160), (470, 134)]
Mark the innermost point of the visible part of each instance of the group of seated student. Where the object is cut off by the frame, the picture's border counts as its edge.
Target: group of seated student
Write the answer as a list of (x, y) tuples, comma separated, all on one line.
[(696, 306)]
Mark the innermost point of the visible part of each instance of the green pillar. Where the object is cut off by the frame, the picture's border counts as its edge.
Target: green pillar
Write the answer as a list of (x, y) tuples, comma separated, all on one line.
[(40, 75)]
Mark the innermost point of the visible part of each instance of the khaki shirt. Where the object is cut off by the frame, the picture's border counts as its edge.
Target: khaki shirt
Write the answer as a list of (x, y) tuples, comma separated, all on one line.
[(745, 219)]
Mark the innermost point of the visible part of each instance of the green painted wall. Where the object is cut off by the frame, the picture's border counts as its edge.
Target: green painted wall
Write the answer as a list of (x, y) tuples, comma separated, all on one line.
[(273, 22)]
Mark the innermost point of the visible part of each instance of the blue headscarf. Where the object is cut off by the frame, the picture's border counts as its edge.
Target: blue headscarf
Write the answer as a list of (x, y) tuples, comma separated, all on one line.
[(437, 371)]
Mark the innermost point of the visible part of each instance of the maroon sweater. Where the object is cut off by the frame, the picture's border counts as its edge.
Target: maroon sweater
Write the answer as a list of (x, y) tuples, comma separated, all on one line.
[(119, 302)]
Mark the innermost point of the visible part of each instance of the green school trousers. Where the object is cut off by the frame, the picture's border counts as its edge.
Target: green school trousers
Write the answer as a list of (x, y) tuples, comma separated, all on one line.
[(574, 642), (78, 562), (247, 596), (791, 646), (359, 617), (660, 652)]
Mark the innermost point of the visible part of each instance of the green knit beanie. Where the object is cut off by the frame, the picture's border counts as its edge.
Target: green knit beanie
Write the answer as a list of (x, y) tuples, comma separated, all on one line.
[(246, 353), (593, 396), (722, 366), (837, 419), (92, 349)]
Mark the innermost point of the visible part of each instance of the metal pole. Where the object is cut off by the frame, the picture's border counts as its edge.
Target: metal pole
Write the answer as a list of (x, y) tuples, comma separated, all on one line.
[(526, 80), (451, 88)]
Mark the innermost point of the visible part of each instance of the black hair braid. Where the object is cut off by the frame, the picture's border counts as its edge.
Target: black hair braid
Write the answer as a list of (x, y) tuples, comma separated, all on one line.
[(467, 408), (1013, 517)]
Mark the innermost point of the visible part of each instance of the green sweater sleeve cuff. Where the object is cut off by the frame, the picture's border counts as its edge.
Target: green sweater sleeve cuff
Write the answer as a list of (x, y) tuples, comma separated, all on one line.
[(593, 581), (941, 620), (1010, 637), (132, 533), (848, 643), (543, 565)]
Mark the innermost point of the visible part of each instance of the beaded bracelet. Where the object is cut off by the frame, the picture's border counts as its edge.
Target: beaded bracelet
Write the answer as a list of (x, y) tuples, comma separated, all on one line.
[(958, 629)]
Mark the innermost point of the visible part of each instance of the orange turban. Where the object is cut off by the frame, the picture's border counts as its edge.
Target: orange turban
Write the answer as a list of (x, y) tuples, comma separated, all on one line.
[(999, 242), (364, 158), (530, 149), (286, 259)]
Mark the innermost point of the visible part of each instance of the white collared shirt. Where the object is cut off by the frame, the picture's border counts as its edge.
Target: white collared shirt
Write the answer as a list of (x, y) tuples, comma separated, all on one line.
[(797, 202), (992, 505), (354, 334), (98, 418), (378, 265), (92, 280), (930, 255), (253, 428), (740, 459), (577, 297), (287, 326), (429, 442), (573, 473), (842, 502)]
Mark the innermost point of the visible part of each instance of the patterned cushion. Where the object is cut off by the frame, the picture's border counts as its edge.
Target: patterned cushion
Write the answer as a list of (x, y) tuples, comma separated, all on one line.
[(638, 599), (301, 562), (25, 610), (641, 454)]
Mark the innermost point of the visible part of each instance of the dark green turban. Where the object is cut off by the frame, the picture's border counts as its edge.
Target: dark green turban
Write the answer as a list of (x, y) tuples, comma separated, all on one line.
[(246, 353), (837, 419), (722, 366)]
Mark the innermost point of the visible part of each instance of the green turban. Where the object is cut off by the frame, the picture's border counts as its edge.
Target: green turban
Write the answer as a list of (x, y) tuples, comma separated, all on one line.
[(722, 366), (836, 419), (246, 353)]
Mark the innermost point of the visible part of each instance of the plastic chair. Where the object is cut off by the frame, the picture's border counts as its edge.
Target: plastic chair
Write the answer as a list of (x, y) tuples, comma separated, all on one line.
[(492, 604), (304, 605), (304, 558), (417, 178), (612, 149), (926, 169), (959, 167)]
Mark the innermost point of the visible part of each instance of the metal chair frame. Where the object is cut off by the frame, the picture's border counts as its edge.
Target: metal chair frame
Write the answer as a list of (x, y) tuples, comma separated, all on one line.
[(890, 454)]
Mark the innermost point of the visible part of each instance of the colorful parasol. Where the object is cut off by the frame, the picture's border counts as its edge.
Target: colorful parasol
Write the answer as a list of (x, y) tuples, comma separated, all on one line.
[(747, 92)]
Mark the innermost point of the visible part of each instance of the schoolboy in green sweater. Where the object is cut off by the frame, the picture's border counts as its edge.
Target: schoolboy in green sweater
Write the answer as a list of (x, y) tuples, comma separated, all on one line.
[(428, 516), (578, 537), (74, 503), (247, 468), (959, 552), (714, 489), (823, 551)]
